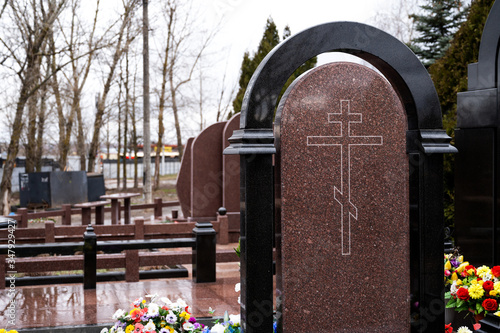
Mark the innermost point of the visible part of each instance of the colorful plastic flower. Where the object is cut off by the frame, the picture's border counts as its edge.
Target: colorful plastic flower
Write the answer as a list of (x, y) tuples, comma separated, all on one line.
[(464, 329), (448, 328), (476, 291)]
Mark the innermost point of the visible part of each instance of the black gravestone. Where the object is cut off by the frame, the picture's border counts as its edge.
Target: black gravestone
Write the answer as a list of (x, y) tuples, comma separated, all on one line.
[(477, 214)]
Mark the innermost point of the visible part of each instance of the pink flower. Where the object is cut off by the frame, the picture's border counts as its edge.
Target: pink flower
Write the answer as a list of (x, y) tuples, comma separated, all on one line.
[(138, 328)]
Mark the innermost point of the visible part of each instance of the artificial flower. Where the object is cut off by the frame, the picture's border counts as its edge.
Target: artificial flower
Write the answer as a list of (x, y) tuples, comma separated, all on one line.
[(171, 318), (476, 291), (464, 329), (138, 328), (497, 313), (490, 304), (218, 328), (448, 328), (496, 287), (483, 270), (118, 314), (129, 329), (463, 293), (235, 319), (153, 310), (447, 265), (495, 271), (488, 285), (150, 327)]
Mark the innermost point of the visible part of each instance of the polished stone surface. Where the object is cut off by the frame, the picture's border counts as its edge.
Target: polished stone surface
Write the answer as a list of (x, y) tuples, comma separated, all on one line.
[(66, 305), (206, 173), (344, 204), (231, 179), (183, 184)]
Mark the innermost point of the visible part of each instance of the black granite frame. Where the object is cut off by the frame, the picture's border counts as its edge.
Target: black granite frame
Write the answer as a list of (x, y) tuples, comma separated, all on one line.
[(477, 189), (426, 142)]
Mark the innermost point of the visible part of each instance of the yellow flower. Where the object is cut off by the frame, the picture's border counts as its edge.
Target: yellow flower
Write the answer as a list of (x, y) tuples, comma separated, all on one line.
[(447, 265), (12, 331), (3, 330), (459, 282), (497, 313), (461, 259), (454, 276), (129, 329), (496, 287), (476, 291), (185, 315), (170, 329), (473, 282), (462, 266), (493, 293), (483, 270)]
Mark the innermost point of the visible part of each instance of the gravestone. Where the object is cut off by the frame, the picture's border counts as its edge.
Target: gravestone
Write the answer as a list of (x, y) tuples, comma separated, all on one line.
[(477, 208), (183, 184), (231, 181), (328, 195), (344, 203), (206, 173)]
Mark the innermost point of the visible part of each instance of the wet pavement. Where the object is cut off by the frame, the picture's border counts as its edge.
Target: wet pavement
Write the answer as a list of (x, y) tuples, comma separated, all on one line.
[(67, 305)]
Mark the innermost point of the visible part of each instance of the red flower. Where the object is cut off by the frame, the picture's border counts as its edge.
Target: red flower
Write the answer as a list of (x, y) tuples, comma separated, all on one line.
[(463, 293), (490, 304), (138, 328), (495, 271), (448, 328), (488, 285), (469, 267)]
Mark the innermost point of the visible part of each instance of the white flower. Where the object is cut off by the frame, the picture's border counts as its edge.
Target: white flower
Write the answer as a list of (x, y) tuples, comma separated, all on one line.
[(104, 330), (181, 303), (187, 326), (153, 310), (150, 327), (239, 299), (217, 328), (487, 277), (235, 319), (464, 329), (119, 330), (237, 287), (171, 318), (167, 301), (454, 288), (118, 314)]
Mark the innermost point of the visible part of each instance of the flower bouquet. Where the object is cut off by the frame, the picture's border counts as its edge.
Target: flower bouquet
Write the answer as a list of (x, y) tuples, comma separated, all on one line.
[(471, 289), (155, 318)]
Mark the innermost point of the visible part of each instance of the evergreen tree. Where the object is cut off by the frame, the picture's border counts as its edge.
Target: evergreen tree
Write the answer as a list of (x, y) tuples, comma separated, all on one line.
[(435, 28), (249, 64), (449, 75)]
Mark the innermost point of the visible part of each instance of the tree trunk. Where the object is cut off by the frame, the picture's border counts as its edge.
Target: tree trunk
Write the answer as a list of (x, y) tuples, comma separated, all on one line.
[(80, 146), (147, 139)]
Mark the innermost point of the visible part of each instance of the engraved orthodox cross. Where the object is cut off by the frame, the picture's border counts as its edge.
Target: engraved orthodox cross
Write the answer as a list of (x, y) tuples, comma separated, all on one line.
[(345, 140)]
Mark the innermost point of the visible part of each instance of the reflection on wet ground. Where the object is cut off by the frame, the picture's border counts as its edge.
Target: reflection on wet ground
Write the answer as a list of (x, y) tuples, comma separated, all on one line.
[(61, 305)]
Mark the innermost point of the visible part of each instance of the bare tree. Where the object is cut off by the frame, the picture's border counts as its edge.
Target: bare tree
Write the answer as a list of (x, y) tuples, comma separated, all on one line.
[(76, 80), (33, 20), (179, 55), (145, 95), (121, 45), (396, 21)]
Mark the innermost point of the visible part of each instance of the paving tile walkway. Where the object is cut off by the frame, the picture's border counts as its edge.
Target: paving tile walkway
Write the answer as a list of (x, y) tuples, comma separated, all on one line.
[(66, 305)]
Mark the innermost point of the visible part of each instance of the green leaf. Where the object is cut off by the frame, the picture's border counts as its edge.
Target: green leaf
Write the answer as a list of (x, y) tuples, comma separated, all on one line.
[(451, 304)]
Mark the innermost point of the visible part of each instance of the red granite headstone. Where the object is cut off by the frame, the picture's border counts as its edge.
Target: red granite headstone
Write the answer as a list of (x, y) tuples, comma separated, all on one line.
[(231, 180), (344, 203), (206, 173), (183, 184)]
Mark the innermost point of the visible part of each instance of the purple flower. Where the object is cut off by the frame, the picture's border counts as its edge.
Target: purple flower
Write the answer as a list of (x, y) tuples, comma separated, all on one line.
[(192, 320), (454, 262), (196, 326)]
